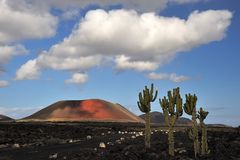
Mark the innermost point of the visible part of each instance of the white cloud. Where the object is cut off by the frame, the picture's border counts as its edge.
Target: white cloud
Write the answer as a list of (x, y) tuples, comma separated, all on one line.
[(24, 23), (3, 83), (131, 40), (67, 62), (70, 14), (185, 1), (78, 78), (29, 70), (19, 24), (7, 52), (124, 63), (139, 5), (165, 76)]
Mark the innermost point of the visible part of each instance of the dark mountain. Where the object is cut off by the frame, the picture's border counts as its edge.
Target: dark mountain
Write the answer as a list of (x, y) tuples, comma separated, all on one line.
[(4, 118), (84, 110), (218, 125), (158, 118)]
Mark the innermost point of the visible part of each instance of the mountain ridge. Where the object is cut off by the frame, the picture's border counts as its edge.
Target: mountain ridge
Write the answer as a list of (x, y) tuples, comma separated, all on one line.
[(158, 118), (4, 118)]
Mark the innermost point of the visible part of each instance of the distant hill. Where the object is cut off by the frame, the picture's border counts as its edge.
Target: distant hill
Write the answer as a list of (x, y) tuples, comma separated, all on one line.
[(158, 118), (84, 110), (4, 118), (218, 125)]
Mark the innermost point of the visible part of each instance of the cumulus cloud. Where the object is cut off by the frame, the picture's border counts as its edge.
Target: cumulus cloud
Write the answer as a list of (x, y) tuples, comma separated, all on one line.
[(78, 78), (20, 24), (165, 76), (24, 23), (139, 5), (70, 14), (67, 62), (7, 52), (131, 40), (185, 1), (29, 70), (124, 63), (3, 83)]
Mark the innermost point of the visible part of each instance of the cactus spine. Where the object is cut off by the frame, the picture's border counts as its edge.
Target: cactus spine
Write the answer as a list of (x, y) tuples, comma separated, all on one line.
[(190, 109), (204, 145), (144, 105), (172, 110)]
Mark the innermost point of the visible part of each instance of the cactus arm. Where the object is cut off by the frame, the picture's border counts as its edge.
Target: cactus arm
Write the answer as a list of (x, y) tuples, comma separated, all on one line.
[(166, 117), (145, 96), (151, 92), (187, 106), (140, 107), (146, 88), (155, 96), (179, 106), (164, 104), (141, 98)]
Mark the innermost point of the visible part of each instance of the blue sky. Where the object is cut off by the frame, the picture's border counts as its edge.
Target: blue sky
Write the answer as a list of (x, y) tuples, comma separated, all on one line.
[(103, 44)]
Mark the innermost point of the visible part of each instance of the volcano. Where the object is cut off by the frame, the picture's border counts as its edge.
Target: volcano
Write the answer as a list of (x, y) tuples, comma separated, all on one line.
[(84, 110)]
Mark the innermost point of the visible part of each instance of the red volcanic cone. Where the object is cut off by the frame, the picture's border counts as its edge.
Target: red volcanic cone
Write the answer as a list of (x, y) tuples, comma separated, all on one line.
[(84, 110)]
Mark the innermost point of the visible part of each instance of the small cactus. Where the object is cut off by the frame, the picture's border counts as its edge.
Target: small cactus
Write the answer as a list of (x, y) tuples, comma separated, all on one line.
[(172, 110), (144, 105), (204, 145), (190, 108)]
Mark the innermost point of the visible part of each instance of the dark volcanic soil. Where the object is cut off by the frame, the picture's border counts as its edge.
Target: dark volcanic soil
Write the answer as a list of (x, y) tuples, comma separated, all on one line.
[(68, 141)]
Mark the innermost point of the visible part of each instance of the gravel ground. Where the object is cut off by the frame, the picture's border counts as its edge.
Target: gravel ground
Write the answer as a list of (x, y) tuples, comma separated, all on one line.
[(106, 141)]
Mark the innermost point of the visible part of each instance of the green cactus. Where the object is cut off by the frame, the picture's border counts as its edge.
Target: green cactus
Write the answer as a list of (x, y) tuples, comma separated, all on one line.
[(204, 145), (144, 105), (172, 110), (190, 109)]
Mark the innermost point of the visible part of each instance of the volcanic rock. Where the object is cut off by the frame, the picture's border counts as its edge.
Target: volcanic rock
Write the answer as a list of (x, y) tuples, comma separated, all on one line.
[(102, 145)]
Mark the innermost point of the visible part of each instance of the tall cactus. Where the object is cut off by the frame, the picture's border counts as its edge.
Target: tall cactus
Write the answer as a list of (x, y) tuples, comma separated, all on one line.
[(172, 110), (190, 109), (204, 145), (144, 105)]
